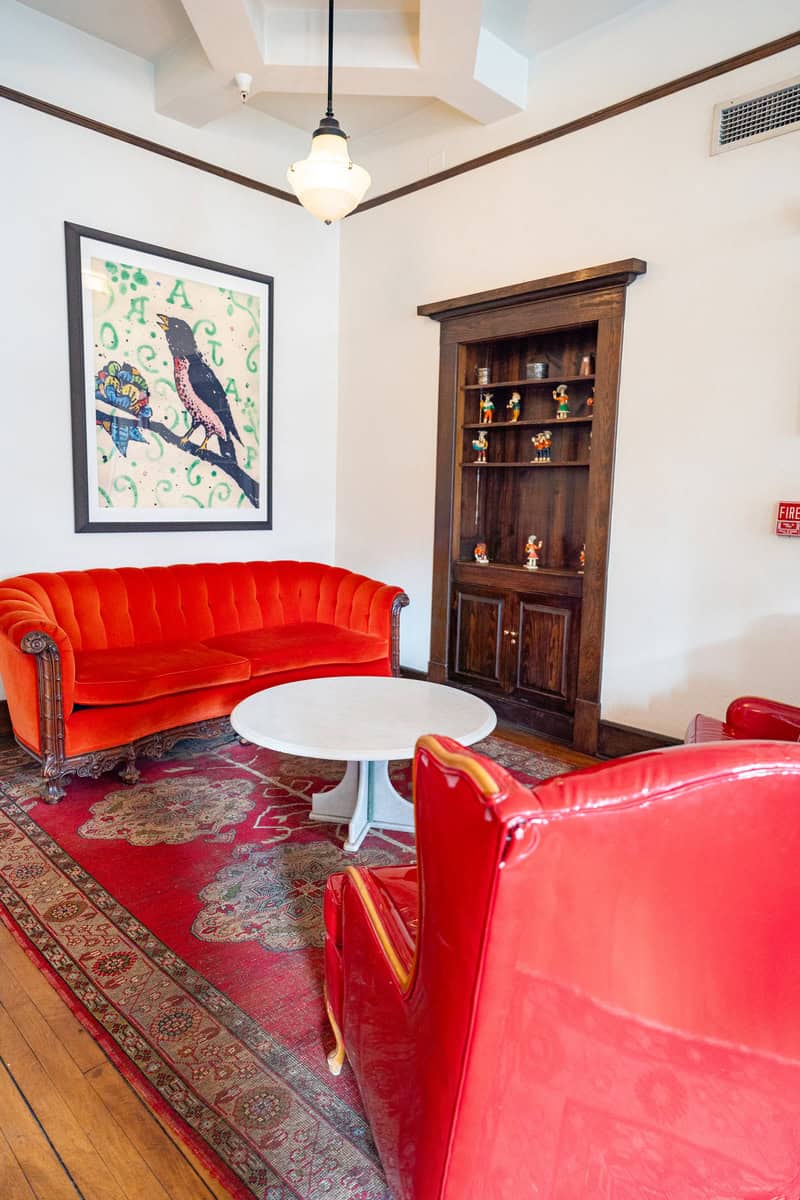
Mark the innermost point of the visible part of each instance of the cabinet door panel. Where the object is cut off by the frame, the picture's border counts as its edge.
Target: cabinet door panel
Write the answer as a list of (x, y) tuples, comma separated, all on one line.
[(478, 636), (546, 651)]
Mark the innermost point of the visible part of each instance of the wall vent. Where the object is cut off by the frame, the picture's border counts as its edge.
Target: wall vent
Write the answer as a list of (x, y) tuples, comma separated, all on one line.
[(753, 118)]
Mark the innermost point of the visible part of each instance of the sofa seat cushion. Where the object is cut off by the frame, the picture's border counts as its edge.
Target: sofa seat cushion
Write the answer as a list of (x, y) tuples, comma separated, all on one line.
[(127, 675), (305, 644)]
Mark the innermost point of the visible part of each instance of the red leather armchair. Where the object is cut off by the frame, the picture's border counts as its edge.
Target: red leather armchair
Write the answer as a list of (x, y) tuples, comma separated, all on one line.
[(748, 717), (586, 990)]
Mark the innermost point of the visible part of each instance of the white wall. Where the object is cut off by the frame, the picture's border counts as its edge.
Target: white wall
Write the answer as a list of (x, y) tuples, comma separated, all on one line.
[(703, 599), (57, 172)]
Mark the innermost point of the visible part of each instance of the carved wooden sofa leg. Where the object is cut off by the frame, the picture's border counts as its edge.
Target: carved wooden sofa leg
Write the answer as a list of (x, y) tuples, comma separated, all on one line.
[(130, 772)]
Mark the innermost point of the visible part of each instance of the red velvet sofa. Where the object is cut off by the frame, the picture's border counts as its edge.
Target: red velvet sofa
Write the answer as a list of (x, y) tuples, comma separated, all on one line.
[(100, 666), (748, 717), (585, 990)]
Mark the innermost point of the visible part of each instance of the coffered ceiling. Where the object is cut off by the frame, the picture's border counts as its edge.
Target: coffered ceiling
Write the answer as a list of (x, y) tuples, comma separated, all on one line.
[(444, 61)]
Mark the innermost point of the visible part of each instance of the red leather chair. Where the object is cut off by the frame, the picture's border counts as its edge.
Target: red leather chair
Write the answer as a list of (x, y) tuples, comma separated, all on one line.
[(748, 717), (586, 990)]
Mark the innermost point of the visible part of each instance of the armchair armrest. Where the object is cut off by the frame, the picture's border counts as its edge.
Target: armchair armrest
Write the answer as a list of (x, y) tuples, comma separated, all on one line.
[(755, 717)]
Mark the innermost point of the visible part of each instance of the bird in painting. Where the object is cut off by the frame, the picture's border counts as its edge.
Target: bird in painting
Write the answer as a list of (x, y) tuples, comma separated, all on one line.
[(200, 392)]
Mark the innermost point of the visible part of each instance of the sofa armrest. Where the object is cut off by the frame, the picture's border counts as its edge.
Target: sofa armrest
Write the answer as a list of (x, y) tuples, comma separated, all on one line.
[(37, 663), (755, 717), (384, 619)]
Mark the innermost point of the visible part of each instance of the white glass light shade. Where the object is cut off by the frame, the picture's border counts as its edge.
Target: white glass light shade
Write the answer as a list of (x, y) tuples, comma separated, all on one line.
[(327, 183)]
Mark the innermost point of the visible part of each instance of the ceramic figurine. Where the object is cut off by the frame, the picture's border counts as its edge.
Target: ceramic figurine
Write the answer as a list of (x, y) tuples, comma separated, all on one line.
[(546, 444), (532, 548), (537, 448), (514, 405), (487, 407), (590, 399), (582, 559), (480, 554), (562, 400), (480, 445)]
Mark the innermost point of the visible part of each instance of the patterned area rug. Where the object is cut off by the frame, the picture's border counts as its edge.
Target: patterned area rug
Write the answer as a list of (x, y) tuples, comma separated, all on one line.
[(181, 918)]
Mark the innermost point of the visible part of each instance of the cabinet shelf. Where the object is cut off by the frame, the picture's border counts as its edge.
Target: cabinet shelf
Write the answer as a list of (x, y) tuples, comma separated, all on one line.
[(534, 466), (507, 383), (561, 572), (552, 421)]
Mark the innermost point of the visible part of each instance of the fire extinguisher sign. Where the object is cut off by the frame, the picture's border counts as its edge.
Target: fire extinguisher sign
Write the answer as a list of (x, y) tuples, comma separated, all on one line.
[(788, 523)]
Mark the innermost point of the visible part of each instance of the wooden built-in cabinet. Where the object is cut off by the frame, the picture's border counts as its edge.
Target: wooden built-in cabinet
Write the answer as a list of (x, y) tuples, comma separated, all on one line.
[(530, 641)]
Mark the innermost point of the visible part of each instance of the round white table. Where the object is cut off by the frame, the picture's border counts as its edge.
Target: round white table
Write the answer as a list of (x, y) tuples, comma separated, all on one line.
[(364, 720)]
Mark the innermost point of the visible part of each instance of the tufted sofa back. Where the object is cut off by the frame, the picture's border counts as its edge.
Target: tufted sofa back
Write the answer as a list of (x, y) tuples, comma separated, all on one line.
[(103, 609)]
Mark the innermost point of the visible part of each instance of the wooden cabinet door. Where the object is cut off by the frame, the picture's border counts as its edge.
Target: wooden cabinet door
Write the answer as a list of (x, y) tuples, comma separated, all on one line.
[(545, 650), (478, 649)]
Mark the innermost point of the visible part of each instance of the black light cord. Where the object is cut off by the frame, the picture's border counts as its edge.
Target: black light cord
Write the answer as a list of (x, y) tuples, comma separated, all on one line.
[(329, 110)]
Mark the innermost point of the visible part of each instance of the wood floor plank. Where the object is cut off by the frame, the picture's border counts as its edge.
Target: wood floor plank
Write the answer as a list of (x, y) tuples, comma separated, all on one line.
[(168, 1159), (13, 1184), (63, 1023), (45, 1175), (87, 1167), (530, 741)]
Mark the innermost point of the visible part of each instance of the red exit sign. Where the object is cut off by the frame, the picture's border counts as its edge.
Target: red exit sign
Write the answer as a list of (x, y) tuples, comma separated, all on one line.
[(788, 524)]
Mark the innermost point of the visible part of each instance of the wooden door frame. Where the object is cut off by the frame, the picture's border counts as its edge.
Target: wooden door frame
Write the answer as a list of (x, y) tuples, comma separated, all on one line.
[(596, 294)]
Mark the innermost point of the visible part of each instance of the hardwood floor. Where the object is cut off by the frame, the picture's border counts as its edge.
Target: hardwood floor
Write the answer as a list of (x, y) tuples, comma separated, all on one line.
[(70, 1125)]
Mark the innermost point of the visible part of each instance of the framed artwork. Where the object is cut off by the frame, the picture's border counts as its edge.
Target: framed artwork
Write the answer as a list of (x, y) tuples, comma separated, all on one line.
[(171, 381)]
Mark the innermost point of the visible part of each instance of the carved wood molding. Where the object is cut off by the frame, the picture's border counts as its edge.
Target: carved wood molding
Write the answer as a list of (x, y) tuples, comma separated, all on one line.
[(400, 602)]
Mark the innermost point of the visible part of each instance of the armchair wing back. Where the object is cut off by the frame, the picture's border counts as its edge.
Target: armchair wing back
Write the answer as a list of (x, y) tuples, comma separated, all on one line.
[(586, 990), (748, 717)]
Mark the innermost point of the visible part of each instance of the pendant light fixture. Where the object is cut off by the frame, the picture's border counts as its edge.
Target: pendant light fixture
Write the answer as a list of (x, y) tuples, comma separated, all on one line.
[(327, 183)]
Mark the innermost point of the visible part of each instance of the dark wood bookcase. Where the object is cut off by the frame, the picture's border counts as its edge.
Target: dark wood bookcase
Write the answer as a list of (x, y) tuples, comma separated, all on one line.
[(529, 641)]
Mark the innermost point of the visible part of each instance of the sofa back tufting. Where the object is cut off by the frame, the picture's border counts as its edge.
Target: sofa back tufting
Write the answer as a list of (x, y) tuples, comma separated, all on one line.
[(103, 609)]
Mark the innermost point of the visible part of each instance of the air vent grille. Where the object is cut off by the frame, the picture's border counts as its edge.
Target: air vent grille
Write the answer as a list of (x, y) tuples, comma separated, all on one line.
[(753, 118)]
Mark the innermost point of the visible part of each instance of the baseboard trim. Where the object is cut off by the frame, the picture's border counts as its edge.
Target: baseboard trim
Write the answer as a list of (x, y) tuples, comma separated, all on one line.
[(412, 673), (616, 741), (5, 719)]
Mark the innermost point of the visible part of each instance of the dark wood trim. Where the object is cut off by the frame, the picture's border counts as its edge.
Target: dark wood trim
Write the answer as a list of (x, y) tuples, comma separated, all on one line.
[(604, 275), (616, 741), (400, 602), (412, 673), (725, 65), (5, 719), (142, 143)]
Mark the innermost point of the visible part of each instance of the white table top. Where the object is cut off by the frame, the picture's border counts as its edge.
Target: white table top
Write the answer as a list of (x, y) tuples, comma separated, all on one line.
[(359, 718)]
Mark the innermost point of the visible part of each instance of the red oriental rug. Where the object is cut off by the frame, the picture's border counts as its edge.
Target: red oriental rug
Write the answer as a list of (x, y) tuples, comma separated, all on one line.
[(181, 919)]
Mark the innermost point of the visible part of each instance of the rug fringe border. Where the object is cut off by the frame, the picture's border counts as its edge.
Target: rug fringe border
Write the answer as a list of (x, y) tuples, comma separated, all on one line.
[(128, 1069)]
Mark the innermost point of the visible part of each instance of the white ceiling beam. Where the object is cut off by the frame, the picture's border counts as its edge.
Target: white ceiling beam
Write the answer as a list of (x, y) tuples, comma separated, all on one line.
[(470, 68), (188, 89), (231, 33)]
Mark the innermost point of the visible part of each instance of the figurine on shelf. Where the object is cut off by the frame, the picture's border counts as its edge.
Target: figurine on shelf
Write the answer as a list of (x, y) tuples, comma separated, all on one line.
[(514, 404), (562, 401), (590, 399), (582, 559), (542, 443), (487, 407), (480, 554), (480, 445), (532, 548)]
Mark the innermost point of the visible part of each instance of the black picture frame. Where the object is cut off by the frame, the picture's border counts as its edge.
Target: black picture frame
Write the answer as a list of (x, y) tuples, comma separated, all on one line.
[(117, 427)]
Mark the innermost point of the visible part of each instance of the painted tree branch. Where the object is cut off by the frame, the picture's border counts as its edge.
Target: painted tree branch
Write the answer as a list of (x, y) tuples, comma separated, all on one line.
[(231, 468)]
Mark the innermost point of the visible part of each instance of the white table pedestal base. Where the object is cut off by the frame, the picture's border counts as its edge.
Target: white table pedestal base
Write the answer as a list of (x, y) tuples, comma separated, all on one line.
[(364, 798)]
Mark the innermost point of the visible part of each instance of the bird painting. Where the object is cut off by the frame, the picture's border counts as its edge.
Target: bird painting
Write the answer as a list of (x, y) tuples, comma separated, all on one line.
[(122, 386), (198, 388)]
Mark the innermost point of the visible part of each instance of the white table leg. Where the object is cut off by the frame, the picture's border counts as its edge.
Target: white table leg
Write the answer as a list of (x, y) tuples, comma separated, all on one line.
[(339, 802), (361, 818), (389, 809), (364, 798)]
